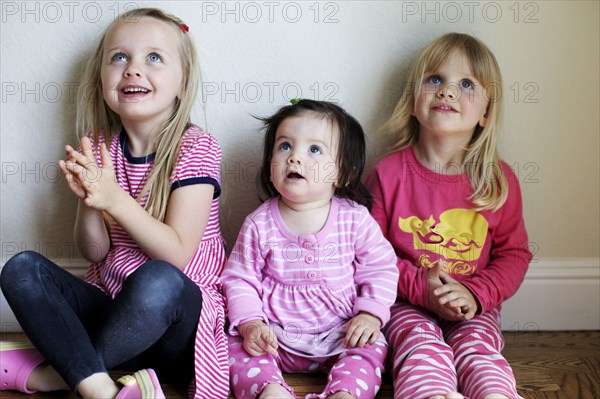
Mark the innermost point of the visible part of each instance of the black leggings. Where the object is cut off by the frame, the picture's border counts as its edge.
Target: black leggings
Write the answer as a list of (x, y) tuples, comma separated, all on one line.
[(80, 331)]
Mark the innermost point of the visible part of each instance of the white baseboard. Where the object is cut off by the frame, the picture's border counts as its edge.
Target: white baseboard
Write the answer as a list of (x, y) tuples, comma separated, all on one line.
[(557, 294)]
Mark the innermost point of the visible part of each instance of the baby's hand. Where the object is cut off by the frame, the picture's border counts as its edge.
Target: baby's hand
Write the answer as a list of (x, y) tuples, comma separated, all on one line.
[(362, 329), (258, 338)]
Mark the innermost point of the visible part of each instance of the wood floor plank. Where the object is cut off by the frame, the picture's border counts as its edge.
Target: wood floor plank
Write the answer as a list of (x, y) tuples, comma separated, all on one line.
[(547, 365), (570, 362), (592, 365)]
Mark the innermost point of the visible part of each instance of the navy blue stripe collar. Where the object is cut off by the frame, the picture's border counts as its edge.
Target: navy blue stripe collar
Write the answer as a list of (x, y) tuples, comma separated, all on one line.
[(137, 160)]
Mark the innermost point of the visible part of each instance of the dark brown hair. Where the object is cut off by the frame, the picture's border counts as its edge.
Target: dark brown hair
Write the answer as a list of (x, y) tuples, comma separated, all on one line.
[(351, 148)]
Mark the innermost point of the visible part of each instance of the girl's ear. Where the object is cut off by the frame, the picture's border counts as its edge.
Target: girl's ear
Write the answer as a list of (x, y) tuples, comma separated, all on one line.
[(483, 120)]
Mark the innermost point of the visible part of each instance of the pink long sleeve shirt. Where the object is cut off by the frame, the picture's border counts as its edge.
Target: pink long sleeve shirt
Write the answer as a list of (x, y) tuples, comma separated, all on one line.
[(308, 286), (427, 217)]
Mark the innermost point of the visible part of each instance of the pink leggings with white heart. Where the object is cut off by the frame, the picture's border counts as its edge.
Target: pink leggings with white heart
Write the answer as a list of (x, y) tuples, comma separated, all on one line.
[(357, 371)]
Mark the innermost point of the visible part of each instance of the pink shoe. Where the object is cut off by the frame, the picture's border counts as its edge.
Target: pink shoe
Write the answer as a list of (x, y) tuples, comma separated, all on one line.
[(17, 361), (142, 384)]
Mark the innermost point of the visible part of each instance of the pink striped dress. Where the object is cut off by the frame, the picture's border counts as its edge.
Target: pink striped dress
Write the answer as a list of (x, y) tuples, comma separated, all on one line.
[(198, 163)]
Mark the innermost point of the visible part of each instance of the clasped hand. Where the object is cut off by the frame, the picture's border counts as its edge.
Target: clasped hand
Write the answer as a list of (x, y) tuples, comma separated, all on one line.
[(96, 186), (448, 298)]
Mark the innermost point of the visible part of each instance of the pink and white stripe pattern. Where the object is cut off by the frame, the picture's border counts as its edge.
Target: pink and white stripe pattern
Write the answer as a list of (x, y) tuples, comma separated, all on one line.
[(426, 361), (198, 163), (308, 286)]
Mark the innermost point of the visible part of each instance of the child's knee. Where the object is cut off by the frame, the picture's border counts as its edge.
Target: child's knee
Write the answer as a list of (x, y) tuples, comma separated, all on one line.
[(415, 334), (249, 375), (154, 277), (24, 267), (359, 372)]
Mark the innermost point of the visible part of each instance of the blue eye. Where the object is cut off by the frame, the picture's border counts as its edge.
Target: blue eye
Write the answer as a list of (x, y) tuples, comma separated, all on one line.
[(314, 149), (435, 79), (285, 146), (466, 84), (154, 57), (119, 57)]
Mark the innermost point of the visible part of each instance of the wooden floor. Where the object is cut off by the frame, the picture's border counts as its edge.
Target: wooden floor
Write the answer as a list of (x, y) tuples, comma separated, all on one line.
[(548, 365)]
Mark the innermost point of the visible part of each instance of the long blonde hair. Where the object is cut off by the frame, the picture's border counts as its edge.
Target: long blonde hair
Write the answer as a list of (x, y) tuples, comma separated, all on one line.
[(95, 117), (481, 163)]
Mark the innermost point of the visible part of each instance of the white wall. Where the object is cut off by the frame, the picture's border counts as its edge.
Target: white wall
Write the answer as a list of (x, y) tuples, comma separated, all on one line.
[(257, 55)]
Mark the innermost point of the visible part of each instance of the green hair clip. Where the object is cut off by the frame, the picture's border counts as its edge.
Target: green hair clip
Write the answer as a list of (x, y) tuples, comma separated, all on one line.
[(295, 101)]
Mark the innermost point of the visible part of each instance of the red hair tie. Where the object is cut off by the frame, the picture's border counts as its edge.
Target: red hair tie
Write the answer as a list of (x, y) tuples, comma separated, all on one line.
[(184, 28)]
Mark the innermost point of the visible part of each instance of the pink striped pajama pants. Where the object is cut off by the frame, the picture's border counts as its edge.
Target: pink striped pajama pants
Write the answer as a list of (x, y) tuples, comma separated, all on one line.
[(433, 357)]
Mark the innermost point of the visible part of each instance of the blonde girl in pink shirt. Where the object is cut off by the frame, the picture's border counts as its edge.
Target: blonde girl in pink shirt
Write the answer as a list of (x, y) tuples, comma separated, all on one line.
[(453, 212)]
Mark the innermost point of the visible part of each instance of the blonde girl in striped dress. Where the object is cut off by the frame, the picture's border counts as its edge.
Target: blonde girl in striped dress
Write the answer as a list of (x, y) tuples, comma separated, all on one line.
[(148, 185)]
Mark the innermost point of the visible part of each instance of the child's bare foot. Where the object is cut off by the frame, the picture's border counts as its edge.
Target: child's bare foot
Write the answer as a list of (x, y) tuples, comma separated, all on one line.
[(449, 395), (341, 395), (496, 396), (275, 391)]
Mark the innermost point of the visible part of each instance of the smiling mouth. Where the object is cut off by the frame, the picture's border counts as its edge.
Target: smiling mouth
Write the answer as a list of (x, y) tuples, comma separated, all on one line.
[(444, 108), (134, 90)]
